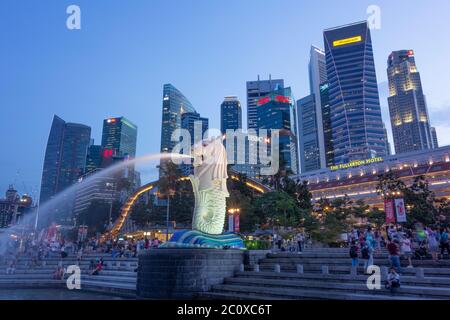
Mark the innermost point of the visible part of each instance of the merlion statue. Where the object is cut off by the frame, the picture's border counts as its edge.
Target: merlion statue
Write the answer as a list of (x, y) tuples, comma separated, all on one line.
[(209, 183)]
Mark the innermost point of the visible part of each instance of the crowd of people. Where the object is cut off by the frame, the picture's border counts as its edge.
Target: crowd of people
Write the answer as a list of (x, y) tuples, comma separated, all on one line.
[(296, 243), (421, 243), (38, 250)]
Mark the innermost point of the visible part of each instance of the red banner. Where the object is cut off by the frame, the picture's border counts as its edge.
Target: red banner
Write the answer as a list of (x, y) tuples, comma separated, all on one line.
[(236, 222), (390, 211)]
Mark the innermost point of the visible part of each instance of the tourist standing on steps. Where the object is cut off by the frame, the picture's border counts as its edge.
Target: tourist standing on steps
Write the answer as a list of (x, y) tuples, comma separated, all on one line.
[(393, 248), (444, 242), (433, 243), (354, 253), (377, 236), (300, 241), (405, 249), (370, 240)]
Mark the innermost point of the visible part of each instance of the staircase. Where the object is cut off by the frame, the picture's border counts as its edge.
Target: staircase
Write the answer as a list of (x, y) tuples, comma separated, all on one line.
[(118, 276), (327, 274)]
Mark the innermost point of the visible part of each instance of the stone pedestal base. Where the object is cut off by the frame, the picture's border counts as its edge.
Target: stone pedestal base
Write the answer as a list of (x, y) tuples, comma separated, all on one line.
[(182, 273)]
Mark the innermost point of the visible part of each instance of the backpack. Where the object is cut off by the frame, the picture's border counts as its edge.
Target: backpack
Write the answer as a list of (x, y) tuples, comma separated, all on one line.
[(444, 237), (353, 252)]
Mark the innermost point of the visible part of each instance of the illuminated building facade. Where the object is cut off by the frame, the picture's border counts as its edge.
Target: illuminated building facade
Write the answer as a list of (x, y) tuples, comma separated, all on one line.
[(310, 155), (99, 188), (174, 105), (13, 207), (407, 106), (277, 111), (119, 135), (94, 158), (255, 91), (357, 126), (358, 180), (230, 114)]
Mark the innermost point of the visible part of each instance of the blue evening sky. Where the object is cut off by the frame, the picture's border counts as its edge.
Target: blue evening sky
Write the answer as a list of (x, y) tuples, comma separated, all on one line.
[(125, 51)]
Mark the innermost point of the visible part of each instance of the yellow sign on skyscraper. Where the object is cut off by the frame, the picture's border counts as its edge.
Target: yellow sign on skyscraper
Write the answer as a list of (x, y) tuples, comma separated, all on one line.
[(345, 41)]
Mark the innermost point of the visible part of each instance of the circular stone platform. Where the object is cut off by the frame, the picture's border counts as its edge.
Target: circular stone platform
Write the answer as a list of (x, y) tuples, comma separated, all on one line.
[(179, 273)]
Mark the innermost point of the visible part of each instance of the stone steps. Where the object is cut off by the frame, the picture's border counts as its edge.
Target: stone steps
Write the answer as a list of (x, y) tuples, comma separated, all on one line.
[(407, 280), (294, 294), (345, 287), (345, 269), (127, 290), (347, 261), (428, 280), (109, 279)]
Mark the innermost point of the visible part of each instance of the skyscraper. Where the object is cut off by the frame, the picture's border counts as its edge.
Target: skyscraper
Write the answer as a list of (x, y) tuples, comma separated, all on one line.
[(190, 120), (357, 125), (435, 139), (277, 111), (310, 155), (197, 127), (315, 143), (120, 136), (65, 157), (230, 114), (174, 105), (231, 119), (407, 105), (255, 91), (94, 158), (327, 129)]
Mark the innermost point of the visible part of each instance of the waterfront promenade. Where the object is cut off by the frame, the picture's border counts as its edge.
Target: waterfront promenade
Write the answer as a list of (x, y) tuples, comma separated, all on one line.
[(314, 274)]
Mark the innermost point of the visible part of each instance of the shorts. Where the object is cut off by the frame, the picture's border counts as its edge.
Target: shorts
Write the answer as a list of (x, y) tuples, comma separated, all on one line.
[(407, 254)]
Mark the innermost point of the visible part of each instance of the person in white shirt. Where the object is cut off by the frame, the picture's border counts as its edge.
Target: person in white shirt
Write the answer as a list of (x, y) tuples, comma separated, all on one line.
[(393, 281), (405, 249)]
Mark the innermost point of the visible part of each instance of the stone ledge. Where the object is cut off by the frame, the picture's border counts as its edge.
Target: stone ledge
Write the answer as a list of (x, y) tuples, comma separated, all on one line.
[(173, 273)]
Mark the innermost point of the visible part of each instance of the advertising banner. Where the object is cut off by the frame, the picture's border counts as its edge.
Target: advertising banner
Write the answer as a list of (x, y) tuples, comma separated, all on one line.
[(236, 223), (390, 211), (400, 210)]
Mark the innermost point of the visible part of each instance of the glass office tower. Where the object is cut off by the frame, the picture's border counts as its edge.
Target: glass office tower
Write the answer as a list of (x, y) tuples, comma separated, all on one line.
[(255, 91), (407, 106), (277, 111), (64, 163), (357, 125), (65, 157), (230, 114), (120, 136), (174, 105)]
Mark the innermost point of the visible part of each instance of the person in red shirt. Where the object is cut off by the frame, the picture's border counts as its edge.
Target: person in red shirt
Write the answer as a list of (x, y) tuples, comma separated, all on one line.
[(393, 248)]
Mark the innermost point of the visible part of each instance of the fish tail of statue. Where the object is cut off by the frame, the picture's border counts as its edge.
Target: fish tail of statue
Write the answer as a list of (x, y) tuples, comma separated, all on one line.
[(210, 207)]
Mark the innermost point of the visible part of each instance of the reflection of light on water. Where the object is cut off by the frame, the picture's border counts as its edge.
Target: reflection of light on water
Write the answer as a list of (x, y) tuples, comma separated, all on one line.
[(44, 209)]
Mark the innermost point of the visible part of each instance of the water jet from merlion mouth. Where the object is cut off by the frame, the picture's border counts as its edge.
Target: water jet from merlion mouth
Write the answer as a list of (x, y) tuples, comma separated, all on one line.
[(44, 209)]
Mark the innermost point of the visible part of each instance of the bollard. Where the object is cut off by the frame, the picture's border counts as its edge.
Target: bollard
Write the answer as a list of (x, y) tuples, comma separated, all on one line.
[(420, 273), (325, 270), (256, 268), (277, 268), (241, 267), (300, 269)]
